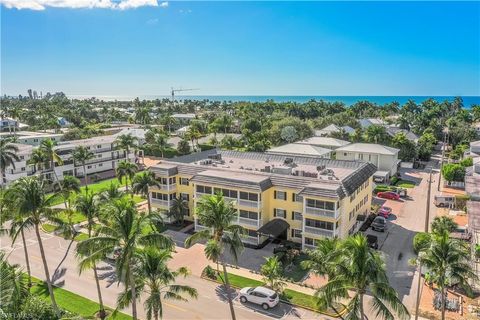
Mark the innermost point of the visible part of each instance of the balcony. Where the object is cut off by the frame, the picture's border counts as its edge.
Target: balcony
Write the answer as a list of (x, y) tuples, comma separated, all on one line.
[(161, 203), (322, 212), (250, 240), (248, 222), (167, 187), (318, 232), (199, 227), (249, 203)]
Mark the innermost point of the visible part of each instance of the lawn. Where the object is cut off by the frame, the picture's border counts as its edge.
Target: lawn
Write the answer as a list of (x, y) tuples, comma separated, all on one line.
[(51, 228), (405, 184), (72, 302), (291, 296)]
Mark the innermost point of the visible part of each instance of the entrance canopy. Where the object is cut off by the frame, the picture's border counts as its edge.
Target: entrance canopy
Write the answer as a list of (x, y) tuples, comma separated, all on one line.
[(274, 228)]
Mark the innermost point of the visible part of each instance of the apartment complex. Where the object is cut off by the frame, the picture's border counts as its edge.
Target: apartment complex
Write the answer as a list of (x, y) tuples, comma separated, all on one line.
[(31, 138), (107, 155), (295, 198)]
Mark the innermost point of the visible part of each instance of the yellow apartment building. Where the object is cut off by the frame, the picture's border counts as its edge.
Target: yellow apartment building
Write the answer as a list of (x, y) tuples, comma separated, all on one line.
[(277, 196)]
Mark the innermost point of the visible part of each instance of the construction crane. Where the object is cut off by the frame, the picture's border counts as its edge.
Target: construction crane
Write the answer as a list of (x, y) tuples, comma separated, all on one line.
[(179, 90)]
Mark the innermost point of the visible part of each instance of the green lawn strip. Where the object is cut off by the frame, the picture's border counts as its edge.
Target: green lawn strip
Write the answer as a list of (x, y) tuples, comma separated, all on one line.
[(76, 217), (72, 302), (405, 184), (288, 295), (50, 228)]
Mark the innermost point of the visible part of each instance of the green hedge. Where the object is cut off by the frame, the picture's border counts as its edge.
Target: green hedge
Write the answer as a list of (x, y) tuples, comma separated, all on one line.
[(206, 146)]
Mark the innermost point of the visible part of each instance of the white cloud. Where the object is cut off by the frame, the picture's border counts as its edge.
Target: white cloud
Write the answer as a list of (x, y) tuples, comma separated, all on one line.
[(75, 4)]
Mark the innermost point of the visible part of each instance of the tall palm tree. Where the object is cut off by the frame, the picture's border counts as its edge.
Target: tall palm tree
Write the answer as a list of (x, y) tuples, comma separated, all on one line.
[(126, 171), (142, 182), (168, 121), (123, 229), (358, 269), (193, 134), (156, 280), (447, 261), (8, 157), (443, 224), (38, 159), (126, 142), (222, 234), (81, 154), (18, 225), (88, 205), (161, 143), (48, 148), (272, 272), (31, 201), (111, 194), (376, 134)]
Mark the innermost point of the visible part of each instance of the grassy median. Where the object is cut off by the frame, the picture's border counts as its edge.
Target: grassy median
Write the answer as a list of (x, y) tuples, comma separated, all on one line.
[(72, 302)]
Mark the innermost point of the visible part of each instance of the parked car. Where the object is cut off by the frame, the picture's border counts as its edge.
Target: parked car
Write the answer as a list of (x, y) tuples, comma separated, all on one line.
[(260, 295), (372, 241), (384, 211), (379, 224), (388, 195)]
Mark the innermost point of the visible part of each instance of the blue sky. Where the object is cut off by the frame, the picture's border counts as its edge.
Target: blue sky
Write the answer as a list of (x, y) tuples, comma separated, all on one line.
[(244, 48)]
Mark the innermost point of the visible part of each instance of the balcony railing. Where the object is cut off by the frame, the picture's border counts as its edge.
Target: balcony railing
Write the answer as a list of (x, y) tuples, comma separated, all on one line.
[(248, 222), (199, 195), (318, 231), (322, 212), (162, 203), (249, 203), (308, 247), (169, 187), (251, 240)]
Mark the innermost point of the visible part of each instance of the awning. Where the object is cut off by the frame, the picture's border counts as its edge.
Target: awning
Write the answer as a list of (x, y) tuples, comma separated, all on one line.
[(273, 228)]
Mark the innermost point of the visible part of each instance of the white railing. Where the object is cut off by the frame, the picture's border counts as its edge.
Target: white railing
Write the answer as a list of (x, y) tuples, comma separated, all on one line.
[(249, 203), (168, 187), (199, 195), (248, 222), (199, 227), (308, 246), (159, 202), (322, 212), (318, 231)]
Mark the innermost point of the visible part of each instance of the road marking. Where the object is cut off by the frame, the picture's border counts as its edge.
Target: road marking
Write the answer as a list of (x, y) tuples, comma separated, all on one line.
[(175, 307)]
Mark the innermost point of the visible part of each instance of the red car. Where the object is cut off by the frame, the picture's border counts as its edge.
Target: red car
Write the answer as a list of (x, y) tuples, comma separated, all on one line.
[(384, 212), (388, 195)]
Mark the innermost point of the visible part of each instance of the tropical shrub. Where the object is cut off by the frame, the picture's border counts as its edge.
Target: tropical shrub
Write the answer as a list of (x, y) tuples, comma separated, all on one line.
[(36, 308)]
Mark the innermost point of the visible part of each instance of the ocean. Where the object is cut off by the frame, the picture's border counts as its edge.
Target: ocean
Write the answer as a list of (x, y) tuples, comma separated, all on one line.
[(468, 101)]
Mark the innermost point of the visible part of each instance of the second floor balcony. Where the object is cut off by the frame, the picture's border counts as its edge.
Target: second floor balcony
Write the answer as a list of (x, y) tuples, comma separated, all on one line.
[(318, 232), (322, 212)]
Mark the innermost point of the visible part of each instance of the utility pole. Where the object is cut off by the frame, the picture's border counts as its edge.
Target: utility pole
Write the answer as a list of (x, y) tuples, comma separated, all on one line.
[(427, 220), (444, 145)]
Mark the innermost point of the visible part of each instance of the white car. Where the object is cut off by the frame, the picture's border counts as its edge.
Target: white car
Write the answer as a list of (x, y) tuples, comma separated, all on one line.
[(260, 295)]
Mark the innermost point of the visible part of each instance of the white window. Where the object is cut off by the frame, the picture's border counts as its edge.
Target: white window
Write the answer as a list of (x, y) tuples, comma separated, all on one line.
[(282, 213), (281, 195), (184, 181), (184, 196), (296, 233), (296, 215), (89, 167), (100, 164)]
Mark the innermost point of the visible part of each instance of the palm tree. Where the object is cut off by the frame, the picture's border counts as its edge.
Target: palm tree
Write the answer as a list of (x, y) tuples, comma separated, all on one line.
[(168, 121), (8, 157), (142, 182), (178, 209), (69, 184), (218, 216), (14, 288), (123, 229), (32, 203), (126, 142), (193, 134), (81, 154), (17, 225), (156, 280), (88, 205), (126, 170), (38, 159), (447, 262), (48, 148), (111, 194), (443, 224), (376, 134), (272, 272), (359, 269)]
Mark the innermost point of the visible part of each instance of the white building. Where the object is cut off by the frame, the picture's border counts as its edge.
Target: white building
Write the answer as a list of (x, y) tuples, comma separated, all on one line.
[(304, 150), (385, 158), (103, 165), (324, 142), (32, 138), (9, 124)]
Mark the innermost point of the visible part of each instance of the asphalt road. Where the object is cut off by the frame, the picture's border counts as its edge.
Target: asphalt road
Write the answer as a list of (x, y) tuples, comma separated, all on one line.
[(211, 302)]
